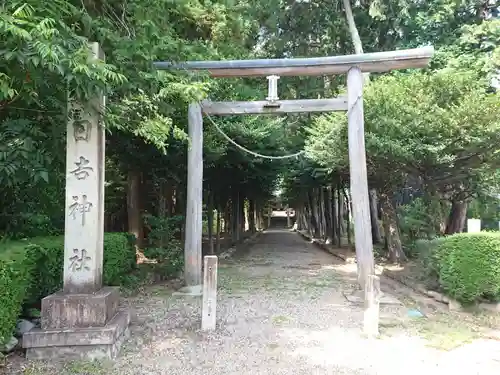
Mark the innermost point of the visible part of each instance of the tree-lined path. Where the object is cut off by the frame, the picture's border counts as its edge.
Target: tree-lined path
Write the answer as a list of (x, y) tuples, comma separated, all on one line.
[(281, 311)]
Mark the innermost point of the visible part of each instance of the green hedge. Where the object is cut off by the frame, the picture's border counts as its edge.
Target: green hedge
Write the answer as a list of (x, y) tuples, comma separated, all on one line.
[(429, 260), (466, 266), (15, 279), (28, 274), (469, 266)]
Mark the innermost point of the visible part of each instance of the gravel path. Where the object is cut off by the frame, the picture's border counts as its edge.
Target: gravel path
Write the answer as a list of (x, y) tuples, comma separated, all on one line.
[(280, 311)]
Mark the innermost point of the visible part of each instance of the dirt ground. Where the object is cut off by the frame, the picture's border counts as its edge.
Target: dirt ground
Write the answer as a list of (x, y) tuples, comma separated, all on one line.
[(281, 310)]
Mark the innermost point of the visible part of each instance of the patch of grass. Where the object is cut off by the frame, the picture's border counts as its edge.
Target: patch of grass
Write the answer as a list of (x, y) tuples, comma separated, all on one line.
[(280, 319), (160, 291), (78, 367), (327, 284), (273, 345), (446, 335), (12, 246), (33, 370), (87, 368), (234, 279), (441, 331), (237, 280)]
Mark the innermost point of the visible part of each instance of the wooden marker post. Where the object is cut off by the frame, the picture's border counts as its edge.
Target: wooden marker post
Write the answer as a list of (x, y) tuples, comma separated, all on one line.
[(208, 318)]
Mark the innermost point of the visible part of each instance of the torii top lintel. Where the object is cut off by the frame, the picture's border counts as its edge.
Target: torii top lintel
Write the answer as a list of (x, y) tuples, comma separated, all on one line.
[(315, 66)]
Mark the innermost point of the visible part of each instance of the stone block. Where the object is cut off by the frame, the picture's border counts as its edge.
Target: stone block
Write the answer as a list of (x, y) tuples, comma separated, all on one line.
[(67, 311), (78, 343)]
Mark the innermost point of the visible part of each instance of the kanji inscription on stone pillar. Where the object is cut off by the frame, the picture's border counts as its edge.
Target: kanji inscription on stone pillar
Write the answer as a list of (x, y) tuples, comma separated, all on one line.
[(84, 228)]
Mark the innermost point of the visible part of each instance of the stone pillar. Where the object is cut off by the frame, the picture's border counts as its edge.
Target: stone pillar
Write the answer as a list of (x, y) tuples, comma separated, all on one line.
[(83, 320)]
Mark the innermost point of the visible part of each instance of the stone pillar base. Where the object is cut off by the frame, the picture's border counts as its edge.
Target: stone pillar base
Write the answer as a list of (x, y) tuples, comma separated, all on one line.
[(79, 326)]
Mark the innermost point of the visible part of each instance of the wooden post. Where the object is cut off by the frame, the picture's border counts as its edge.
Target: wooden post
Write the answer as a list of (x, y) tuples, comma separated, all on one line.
[(288, 219), (359, 193), (209, 319), (194, 202)]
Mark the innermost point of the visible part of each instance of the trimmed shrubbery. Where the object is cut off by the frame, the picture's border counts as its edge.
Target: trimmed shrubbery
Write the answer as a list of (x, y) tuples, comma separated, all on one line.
[(470, 266), (465, 266), (31, 272), (15, 280)]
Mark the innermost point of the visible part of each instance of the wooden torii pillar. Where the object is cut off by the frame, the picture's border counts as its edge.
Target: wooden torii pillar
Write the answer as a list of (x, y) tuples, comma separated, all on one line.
[(352, 65)]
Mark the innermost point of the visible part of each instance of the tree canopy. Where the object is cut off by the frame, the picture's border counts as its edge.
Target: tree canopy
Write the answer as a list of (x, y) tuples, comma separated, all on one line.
[(434, 130)]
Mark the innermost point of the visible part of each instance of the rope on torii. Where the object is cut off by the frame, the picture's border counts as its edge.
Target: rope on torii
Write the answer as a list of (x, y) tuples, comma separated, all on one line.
[(272, 99)]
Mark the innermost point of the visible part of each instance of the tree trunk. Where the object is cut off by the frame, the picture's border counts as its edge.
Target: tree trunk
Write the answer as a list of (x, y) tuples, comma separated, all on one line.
[(235, 218), (261, 218), (333, 201), (341, 203), (210, 222), (135, 226), (302, 219), (243, 216), (227, 219), (339, 216), (322, 214), (376, 236), (258, 216), (217, 230), (298, 213), (169, 194), (348, 208), (251, 215), (307, 217), (288, 219), (328, 215), (353, 30), (177, 206), (391, 230), (314, 227), (457, 217), (181, 210), (162, 207)]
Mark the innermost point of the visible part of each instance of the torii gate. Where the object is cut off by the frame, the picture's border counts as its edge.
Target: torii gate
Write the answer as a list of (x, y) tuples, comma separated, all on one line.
[(354, 66)]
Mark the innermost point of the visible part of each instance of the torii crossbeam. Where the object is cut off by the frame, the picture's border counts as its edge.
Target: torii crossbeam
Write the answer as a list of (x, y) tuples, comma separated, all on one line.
[(353, 66), (314, 66)]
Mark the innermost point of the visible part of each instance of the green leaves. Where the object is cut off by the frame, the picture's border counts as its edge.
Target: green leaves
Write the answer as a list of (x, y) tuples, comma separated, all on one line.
[(21, 157), (440, 127)]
